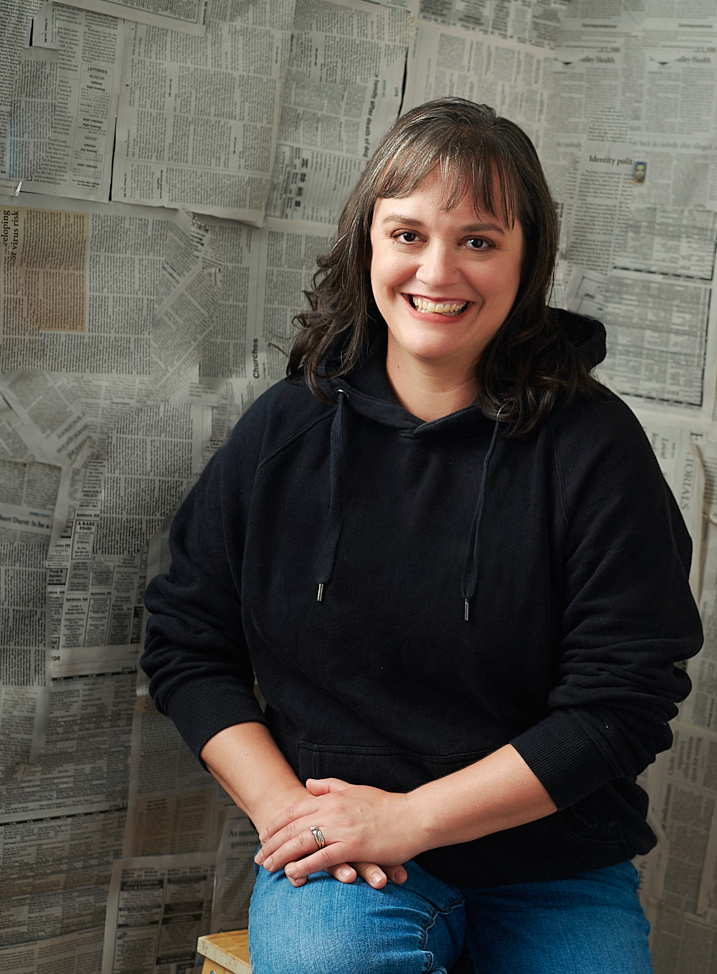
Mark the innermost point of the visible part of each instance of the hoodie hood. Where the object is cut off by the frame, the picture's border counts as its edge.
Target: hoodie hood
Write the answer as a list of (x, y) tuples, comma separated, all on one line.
[(372, 396), (587, 335)]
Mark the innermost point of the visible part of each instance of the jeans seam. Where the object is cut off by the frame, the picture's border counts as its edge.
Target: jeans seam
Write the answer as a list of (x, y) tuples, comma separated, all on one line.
[(431, 922)]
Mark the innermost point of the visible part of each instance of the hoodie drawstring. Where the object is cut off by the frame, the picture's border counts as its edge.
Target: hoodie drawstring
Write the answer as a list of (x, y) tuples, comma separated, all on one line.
[(336, 458), (470, 573), (336, 463)]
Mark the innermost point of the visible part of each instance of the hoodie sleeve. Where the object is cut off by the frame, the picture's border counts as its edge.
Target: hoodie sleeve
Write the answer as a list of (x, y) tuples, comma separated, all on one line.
[(629, 616), (195, 653)]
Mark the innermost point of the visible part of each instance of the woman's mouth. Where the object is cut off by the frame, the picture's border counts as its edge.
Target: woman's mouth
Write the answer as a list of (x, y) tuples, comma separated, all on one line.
[(424, 306)]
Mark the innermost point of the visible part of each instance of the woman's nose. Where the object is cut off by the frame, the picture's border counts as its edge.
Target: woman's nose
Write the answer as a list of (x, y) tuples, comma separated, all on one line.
[(438, 266)]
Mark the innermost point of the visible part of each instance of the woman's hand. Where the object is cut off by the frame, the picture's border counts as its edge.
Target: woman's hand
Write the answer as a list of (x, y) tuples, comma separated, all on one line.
[(344, 872), (361, 826), (247, 763)]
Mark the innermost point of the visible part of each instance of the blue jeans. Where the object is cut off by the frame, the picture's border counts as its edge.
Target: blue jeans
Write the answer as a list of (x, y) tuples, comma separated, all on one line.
[(591, 923)]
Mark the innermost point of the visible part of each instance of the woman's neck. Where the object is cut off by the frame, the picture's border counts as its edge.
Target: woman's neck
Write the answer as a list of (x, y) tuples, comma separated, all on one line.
[(429, 392)]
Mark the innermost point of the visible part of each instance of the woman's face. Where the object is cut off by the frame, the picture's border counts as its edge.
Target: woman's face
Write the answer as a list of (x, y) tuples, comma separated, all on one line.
[(444, 280)]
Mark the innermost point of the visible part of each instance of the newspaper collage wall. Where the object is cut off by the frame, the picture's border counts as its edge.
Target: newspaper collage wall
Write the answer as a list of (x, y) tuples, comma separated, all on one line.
[(169, 170)]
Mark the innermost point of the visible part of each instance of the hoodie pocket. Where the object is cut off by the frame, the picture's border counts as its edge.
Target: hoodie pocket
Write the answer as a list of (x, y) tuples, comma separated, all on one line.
[(389, 768)]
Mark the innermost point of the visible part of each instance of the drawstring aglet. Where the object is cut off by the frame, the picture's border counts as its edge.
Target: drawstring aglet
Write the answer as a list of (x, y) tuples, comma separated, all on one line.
[(466, 610), (320, 593)]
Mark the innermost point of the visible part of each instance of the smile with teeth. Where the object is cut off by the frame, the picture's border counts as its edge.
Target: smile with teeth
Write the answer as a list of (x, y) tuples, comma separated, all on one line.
[(437, 307)]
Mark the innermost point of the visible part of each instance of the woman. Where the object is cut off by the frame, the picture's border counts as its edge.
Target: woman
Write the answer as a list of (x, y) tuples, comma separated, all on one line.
[(450, 558)]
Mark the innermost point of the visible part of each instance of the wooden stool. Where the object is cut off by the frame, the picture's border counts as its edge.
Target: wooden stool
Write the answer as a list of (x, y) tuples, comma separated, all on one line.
[(225, 953)]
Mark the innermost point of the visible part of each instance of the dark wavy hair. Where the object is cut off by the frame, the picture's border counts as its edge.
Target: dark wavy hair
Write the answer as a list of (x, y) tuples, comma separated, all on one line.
[(531, 361)]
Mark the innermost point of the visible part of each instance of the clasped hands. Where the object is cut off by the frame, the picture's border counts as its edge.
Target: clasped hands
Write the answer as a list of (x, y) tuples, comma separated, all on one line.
[(367, 833)]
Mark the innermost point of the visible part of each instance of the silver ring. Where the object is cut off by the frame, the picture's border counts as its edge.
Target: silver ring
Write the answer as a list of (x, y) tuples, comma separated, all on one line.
[(318, 836)]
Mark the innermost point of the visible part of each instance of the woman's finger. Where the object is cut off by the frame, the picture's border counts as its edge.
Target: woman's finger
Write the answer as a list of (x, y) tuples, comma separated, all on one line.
[(344, 872), (297, 881), (377, 876), (323, 786), (371, 874), (397, 874), (287, 819), (290, 848)]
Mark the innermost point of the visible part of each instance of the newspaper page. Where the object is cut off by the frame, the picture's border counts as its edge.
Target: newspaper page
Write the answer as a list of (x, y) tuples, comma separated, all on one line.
[(174, 803), (532, 21), (682, 943), (158, 906), (23, 661), (683, 791), (12, 443), (116, 502), (603, 188), (341, 93), (186, 306), (76, 953), (55, 878), (198, 116), (15, 29), (607, 85), (77, 285), (585, 105), (44, 269), (636, 228), (23, 724), (675, 171), (288, 266), (188, 16), (234, 880), (511, 77), (207, 315), (680, 58), (83, 766), (153, 456), (85, 660), (62, 123), (106, 399), (226, 299), (28, 492), (659, 310), (94, 604), (62, 817), (665, 95), (700, 708), (46, 415), (656, 84), (54, 417)]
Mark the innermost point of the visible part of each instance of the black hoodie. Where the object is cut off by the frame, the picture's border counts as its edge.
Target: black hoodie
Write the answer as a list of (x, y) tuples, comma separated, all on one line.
[(412, 595)]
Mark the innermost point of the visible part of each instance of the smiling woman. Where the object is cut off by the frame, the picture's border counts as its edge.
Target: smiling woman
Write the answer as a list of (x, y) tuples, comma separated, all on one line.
[(444, 281), (449, 558), (488, 166)]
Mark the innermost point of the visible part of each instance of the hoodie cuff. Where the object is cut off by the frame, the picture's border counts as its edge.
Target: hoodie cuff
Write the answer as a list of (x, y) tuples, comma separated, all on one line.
[(564, 757), (202, 708)]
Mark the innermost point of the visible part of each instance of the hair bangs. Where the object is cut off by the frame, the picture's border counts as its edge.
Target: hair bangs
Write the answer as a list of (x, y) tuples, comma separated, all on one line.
[(485, 175)]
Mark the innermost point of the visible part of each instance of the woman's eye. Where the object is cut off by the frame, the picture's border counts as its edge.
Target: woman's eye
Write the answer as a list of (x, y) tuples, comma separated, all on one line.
[(478, 243), (407, 236)]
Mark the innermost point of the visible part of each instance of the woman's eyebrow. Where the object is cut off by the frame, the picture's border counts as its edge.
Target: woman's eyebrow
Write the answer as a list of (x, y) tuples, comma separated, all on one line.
[(469, 228), (398, 218)]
